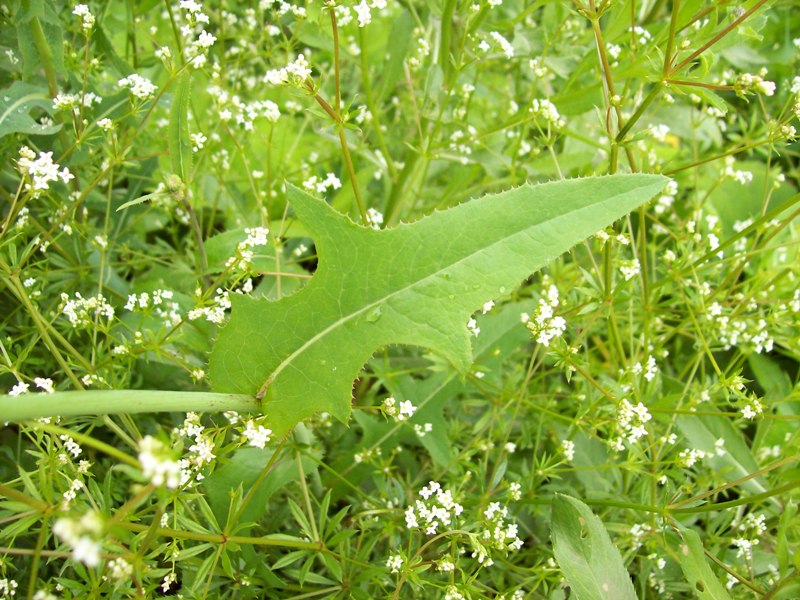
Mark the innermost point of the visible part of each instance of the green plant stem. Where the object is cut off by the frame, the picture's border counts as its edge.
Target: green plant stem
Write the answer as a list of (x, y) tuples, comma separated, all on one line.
[(107, 402), (233, 521), (639, 111), (630, 505), (301, 477), (336, 69), (219, 538), (352, 172), (12, 494), (717, 37), (444, 39), (37, 555), (673, 24), (701, 84), (739, 501), (44, 55), (366, 85), (703, 161), (18, 290), (336, 115), (722, 488), (88, 440)]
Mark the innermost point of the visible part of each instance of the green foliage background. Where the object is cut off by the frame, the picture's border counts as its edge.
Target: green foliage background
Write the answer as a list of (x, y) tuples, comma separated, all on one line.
[(686, 311)]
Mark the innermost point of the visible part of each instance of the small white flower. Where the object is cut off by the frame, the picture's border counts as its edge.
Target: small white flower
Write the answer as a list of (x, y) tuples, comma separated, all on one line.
[(395, 563), (157, 465), (140, 87), (257, 435), (19, 389)]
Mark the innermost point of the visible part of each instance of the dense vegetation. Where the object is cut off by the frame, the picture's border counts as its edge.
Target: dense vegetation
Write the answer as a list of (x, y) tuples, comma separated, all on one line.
[(628, 426)]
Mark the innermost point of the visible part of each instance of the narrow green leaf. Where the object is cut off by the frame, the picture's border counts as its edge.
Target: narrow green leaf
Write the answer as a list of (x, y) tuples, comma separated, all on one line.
[(396, 51), (180, 146), (703, 431), (139, 200), (415, 284), (289, 559), (701, 578), (590, 562)]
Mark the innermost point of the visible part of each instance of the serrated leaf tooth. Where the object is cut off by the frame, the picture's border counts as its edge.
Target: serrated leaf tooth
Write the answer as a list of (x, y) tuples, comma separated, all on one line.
[(321, 220)]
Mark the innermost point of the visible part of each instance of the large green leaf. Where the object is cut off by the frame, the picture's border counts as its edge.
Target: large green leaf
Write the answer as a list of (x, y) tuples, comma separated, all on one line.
[(590, 562), (16, 103), (414, 284)]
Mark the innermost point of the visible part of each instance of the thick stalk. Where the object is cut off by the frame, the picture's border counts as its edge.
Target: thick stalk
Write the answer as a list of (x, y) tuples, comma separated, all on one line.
[(109, 402)]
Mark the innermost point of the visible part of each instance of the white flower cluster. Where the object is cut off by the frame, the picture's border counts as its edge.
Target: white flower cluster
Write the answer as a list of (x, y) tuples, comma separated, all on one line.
[(87, 18), (641, 34), (747, 83), (65, 101), (119, 568), (364, 10), (70, 446), (158, 466), (402, 412), (752, 409), (8, 588), (245, 113), (295, 73), (543, 324), (743, 177), (139, 87), (746, 330), (169, 312), (436, 509), (422, 51), (650, 368), (215, 313), (281, 8), (667, 199), (548, 112), (195, 44), (689, 457), (539, 69), (659, 132), (472, 327), (631, 423), (750, 529), (82, 536), (629, 268), (568, 448), (201, 451), (243, 259), (374, 218), (41, 171), (198, 141), (394, 563), (257, 436), (497, 534), (320, 186), (505, 45), (43, 383), (80, 311), (463, 141)]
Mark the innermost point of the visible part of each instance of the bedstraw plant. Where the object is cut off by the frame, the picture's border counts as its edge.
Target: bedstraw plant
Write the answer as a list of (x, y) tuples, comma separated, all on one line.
[(403, 299)]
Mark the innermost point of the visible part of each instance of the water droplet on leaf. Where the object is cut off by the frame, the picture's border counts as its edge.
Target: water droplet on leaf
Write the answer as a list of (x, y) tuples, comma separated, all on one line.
[(374, 314)]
